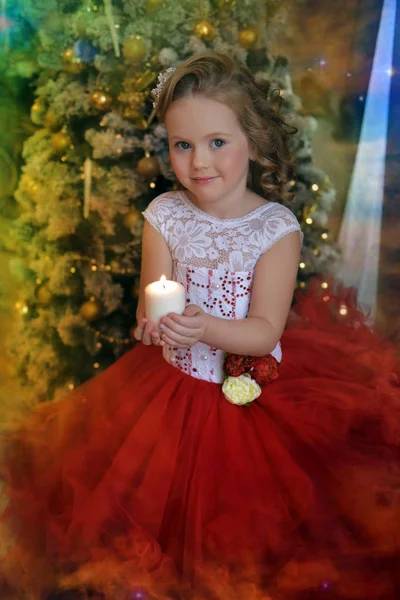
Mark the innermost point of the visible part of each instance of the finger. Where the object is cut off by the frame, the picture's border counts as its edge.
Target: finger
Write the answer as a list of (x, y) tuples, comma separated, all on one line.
[(138, 333), (179, 341), (192, 310), (170, 326), (171, 342), (155, 338), (173, 335), (146, 338), (182, 320)]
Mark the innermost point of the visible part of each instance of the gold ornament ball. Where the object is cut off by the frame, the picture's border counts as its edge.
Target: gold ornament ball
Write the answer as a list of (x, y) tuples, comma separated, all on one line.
[(148, 167), (134, 49), (131, 217), (44, 296), (249, 37), (60, 142), (152, 6), (72, 64), (204, 31), (226, 4), (100, 100), (38, 112), (52, 122), (90, 310)]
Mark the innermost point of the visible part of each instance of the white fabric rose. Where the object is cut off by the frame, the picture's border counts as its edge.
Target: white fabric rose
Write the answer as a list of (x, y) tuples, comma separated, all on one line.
[(241, 390)]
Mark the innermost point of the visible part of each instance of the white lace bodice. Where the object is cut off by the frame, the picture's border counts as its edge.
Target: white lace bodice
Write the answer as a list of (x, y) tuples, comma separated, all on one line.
[(215, 260)]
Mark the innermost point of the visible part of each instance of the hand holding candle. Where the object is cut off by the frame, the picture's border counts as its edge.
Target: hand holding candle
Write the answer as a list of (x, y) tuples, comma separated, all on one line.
[(163, 297)]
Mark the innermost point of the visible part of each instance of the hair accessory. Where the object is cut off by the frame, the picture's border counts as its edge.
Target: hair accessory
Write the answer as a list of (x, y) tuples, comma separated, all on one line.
[(162, 78)]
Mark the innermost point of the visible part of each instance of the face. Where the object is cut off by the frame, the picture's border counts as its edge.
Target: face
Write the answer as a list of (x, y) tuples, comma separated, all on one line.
[(209, 151)]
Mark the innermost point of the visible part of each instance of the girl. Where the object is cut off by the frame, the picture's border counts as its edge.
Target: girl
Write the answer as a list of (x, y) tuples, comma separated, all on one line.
[(147, 482)]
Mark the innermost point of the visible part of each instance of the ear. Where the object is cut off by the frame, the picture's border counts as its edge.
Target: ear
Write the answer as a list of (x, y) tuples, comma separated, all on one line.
[(252, 152)]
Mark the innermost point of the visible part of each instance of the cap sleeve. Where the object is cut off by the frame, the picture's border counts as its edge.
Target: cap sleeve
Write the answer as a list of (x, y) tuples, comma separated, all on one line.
[(280, 221), (159, 213)]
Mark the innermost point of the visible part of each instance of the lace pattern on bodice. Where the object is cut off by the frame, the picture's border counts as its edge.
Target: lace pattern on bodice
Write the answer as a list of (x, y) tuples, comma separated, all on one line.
[(198, 239), (215, 259)]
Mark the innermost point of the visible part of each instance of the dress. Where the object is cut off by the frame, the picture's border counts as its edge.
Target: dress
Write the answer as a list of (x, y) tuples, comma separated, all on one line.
[(146, 483)]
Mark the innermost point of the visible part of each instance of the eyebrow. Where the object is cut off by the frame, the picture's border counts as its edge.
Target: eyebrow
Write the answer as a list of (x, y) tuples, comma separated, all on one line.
[(213, 135)]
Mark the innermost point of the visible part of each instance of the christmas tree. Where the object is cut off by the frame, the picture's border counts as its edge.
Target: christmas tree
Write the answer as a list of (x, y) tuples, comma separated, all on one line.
[(99, 156)]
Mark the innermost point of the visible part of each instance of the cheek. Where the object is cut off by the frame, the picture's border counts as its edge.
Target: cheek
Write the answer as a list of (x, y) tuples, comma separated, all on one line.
[(236, 160), (178, 163)]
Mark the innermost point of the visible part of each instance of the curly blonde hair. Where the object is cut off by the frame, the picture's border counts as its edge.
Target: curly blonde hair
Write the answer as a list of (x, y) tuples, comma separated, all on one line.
[(219, 77)]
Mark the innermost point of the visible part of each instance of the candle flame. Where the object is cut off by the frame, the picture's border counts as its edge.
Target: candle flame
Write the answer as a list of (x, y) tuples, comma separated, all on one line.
[(163, 279)]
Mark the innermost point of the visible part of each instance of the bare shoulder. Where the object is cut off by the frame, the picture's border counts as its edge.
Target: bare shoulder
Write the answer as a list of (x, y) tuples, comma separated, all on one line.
[(254, 200)]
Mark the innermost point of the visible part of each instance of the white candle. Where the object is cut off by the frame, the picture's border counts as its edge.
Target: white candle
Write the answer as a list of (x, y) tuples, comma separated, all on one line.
[(164, 297)]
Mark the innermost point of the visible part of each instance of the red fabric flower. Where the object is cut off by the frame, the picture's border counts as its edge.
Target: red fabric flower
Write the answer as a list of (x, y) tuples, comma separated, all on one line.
[(236, 365), (264, 369)]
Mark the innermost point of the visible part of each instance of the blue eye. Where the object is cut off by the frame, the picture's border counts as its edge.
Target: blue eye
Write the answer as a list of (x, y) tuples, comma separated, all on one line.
[(218, 143), (182, 145)]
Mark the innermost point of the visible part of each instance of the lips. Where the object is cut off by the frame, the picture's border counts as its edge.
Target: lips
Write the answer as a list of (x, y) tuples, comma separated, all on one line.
[(204, 179)]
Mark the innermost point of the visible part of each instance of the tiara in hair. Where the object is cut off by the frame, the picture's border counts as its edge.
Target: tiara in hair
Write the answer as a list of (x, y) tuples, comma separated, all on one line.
[(161, 80)]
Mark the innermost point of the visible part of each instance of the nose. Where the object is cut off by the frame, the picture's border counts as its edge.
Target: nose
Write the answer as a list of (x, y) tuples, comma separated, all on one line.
[(200, 158)]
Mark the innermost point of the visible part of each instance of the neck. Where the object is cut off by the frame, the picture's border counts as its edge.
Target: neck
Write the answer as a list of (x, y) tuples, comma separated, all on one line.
[(233, 206)]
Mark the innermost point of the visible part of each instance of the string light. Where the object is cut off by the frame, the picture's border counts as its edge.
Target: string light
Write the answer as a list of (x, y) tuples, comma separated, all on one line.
[(314, 187), (95, 266), (38, 281), (96, 365), (302, 265), (71, 386), (152, 185), (302, 284), (324, 236), (324, 285), (343, 310), (309, 221), (325, 298), (118, 136), (24, 310), (112, 340)]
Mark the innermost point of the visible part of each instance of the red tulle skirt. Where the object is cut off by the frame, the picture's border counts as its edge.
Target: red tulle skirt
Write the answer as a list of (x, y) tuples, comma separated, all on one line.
[(146, 483)]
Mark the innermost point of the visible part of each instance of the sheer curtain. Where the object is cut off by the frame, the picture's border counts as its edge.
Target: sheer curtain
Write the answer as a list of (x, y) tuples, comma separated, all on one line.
[(360, 232)]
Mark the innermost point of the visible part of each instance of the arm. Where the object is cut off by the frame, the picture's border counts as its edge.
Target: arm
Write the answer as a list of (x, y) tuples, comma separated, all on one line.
[(156, 261), (271, 298), (272, 293)]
